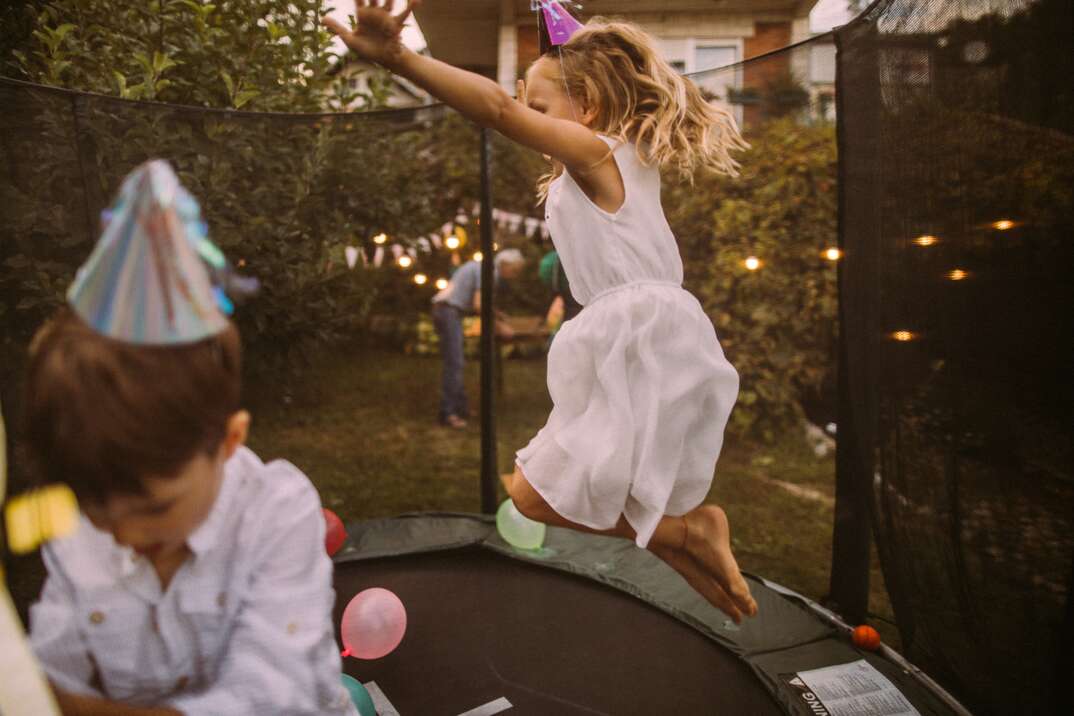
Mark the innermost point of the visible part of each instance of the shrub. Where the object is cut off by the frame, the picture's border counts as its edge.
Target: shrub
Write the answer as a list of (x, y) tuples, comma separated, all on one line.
[(777, 324)]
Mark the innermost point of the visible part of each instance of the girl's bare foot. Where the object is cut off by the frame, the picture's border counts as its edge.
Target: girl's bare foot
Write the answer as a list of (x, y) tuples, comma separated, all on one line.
[(708, 543), (699, 579)]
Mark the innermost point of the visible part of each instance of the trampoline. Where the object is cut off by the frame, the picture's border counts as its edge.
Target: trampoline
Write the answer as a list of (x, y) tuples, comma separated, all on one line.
[(954, 134), (585, 625)]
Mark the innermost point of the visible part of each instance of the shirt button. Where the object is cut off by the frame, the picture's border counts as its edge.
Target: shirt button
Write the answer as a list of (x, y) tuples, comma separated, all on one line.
[(221, 599), (292, 628), (181, 683), (96, 618)]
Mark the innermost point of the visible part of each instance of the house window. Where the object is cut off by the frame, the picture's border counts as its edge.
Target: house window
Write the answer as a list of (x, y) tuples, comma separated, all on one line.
[(710, 57), (680, 66)]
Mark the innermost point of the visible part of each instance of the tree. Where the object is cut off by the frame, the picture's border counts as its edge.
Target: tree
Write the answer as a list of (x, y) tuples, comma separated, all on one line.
[(777, 324), (255, 54)]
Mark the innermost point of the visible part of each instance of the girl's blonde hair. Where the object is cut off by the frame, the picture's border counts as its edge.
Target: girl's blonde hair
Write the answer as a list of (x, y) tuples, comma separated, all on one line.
[(615, 69)]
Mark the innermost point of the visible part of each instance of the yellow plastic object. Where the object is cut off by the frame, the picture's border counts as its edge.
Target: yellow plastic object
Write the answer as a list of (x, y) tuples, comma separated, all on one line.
[(462, 236), (23, 689), (40, 515)]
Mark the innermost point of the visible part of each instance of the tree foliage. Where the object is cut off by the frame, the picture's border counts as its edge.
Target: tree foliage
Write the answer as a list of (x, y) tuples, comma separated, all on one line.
[(777, 324), (282, 194), (254, 54)]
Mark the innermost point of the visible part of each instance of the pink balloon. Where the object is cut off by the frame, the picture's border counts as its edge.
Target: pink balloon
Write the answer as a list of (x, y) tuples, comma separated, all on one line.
[(373, 624)]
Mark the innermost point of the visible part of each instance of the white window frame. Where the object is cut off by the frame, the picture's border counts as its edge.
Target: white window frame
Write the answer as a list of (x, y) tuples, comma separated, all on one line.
[(695, 42), (738, 43)]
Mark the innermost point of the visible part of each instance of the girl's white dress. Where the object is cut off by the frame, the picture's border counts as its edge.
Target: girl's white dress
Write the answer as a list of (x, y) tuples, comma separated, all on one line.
[(640, 385)]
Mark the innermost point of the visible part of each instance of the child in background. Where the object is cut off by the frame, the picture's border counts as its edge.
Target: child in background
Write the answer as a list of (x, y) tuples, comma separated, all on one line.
[(641, 389), (197, 581)]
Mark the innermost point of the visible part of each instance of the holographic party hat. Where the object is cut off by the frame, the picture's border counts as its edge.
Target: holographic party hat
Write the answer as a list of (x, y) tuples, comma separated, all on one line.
[(154, 277)]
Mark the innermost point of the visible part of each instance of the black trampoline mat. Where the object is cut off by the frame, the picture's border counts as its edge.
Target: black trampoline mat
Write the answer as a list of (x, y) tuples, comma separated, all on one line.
[(482, 626)]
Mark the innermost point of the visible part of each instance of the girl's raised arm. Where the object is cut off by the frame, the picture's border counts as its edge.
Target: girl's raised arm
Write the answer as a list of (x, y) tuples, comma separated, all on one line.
[(377, 39)]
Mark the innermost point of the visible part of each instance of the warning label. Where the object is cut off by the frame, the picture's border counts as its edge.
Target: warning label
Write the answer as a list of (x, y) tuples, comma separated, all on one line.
[(854, 689)]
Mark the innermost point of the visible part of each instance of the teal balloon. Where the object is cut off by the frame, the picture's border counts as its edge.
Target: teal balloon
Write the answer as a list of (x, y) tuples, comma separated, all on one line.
[(518, 530), (361, 698)]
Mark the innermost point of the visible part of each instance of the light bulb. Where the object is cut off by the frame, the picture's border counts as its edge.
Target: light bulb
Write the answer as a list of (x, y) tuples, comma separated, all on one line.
[(752, 263), (420, 279), (380, 238), (452, 242), (405, 261), (441, 284), (478, 256), (833, 254), (926, 240)]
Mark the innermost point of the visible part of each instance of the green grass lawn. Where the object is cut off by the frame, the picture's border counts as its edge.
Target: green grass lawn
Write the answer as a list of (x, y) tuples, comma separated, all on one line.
[(362, 424)]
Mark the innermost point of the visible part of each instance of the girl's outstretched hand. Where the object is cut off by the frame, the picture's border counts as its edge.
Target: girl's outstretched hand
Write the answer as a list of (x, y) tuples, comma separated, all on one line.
[(377, 37)]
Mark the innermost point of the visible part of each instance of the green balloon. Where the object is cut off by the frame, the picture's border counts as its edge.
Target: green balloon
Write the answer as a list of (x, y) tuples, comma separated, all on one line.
[(361, 698), (517, 529)]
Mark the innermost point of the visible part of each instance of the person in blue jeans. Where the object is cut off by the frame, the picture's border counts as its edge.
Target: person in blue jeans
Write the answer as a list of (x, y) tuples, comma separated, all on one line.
[(462, 296)]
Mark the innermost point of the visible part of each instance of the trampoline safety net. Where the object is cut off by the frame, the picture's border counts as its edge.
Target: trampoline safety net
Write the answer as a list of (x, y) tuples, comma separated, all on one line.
[(957, 162)]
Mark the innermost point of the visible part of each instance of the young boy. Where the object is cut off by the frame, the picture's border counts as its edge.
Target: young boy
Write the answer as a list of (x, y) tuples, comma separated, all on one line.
[(197, 581)]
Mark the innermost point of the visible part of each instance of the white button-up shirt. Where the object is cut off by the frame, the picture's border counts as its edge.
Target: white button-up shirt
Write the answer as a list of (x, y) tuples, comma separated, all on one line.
[(244, 627)]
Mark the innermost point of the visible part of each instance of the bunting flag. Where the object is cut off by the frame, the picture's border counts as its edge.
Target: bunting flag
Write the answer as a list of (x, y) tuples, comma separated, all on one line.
[(455, 230), (531, 227)]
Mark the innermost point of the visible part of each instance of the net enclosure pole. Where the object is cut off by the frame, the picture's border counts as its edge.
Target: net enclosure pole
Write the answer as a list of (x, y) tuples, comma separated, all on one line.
[(851, 531), (488, 334)]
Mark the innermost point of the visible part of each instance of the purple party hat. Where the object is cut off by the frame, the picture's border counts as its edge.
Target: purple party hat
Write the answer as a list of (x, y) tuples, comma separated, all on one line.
[(559, 24)]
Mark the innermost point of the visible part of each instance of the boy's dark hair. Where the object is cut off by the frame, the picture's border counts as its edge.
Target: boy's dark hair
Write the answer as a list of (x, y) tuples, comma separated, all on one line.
[(101, 415)]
